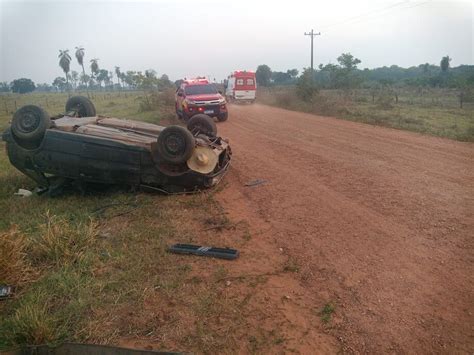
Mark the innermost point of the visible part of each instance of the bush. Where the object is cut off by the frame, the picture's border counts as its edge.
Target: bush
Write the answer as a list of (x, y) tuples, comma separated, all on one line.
[(385, 101), (305, 88), (153, 100), (285, 98)]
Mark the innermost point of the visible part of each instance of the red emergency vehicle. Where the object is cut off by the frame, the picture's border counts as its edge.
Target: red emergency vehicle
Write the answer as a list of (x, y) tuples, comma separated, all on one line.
[(198, 95)]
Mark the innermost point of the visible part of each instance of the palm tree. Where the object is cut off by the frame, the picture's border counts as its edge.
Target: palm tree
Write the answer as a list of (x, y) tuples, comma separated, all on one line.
[(65, 63), (94, 66), (80, 59)]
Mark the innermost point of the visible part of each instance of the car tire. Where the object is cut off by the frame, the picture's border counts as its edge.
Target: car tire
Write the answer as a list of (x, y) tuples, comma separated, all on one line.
[(203, 124), (184, 116), (29, 125), (81, 105), (174, 145), (223, 116)]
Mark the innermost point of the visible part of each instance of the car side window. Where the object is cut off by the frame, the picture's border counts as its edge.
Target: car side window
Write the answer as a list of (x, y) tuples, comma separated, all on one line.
[(240, 82), (249, 81)]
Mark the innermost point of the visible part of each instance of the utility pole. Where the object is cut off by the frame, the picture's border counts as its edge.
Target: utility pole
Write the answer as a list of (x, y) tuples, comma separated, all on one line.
[(312, 34)]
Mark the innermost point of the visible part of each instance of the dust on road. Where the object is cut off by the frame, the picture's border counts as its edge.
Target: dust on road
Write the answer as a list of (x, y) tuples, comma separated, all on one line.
[(377, 221)]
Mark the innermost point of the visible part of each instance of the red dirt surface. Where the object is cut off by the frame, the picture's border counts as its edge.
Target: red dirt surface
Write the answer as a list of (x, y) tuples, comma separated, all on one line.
[(376, 221)]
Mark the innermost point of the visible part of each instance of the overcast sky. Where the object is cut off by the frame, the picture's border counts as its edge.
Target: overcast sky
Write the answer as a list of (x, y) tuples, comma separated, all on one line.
[(190, 38)]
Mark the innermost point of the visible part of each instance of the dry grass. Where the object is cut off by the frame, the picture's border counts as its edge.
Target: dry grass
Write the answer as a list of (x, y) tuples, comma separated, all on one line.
[(15, 268), (61, 243), (32, 322)]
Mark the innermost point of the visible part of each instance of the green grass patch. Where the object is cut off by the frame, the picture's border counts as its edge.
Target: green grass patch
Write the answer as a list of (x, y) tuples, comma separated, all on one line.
[(327, 312)]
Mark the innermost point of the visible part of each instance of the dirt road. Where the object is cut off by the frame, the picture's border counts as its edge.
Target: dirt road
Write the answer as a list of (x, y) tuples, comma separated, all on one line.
[(376, 221)]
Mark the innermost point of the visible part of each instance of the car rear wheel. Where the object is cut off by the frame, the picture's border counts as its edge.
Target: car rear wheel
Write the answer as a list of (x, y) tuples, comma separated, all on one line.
[(29, 125), (81, 106), (202, 123), (175, 145)]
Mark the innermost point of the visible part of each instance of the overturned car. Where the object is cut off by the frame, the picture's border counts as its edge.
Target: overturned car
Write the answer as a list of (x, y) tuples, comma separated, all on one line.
[(81, 147)]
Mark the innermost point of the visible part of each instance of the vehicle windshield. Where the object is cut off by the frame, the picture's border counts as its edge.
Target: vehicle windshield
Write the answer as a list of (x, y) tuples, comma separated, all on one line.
[(200, 89)]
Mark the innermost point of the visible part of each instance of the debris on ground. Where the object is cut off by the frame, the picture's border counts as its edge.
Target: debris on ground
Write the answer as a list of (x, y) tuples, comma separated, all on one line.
[(214, 252), (5, 291), (255, 182), (23, 193)]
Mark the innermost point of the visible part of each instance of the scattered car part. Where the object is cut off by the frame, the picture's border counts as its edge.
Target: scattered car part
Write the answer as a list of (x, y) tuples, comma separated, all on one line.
[(6, 291), (68, 149), (214, 252), (23, 193), (255, 182)]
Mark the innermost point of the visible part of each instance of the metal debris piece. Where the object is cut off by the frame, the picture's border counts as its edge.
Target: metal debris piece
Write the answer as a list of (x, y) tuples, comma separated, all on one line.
[(214, 252), (5, 291), (23, 193), (255, 182)]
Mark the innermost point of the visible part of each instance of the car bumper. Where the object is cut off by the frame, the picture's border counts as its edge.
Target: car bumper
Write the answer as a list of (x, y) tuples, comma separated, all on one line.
[(210, 110)]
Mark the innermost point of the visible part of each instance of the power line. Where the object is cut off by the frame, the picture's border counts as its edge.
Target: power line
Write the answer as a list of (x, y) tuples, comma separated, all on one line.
[(365, 14), (369, 15)]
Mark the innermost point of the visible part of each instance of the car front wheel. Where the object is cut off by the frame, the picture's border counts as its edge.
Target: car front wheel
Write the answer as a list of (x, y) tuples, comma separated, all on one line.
[(174, 145)]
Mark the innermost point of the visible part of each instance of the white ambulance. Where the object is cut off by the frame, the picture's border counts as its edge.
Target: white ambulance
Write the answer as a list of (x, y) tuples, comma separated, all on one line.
[(241, 86)]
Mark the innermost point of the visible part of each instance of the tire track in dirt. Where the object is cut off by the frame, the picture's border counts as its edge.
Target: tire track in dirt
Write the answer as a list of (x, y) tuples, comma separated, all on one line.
[(378, 220)]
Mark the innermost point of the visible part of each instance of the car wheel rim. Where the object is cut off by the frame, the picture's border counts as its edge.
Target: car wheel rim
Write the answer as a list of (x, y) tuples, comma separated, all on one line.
[(174, 145), (29, 122)]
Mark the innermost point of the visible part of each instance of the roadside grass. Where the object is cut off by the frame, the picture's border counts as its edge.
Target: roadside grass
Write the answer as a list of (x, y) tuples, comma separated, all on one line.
[(436, 113)]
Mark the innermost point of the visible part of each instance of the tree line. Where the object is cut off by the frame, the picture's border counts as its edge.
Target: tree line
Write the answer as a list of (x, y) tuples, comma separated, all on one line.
[(96, 79), (345, 74)]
